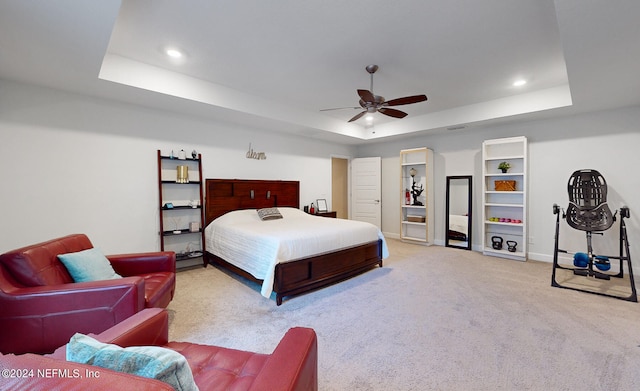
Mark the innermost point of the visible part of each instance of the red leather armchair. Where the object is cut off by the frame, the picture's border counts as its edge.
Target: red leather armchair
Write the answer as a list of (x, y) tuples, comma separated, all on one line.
[(293, 365), (41, 306)]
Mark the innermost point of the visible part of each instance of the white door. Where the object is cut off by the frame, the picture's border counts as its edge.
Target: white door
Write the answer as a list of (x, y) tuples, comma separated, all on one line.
[(366, 190)]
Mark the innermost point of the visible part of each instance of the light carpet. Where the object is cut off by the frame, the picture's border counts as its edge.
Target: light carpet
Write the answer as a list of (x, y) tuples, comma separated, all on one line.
[(433, 318)]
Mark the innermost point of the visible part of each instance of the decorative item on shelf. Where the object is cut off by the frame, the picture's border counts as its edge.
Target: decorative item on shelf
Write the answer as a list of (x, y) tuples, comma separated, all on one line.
[(182, 174), (194, 203), (415, 190), (407, 197), (511, 246), (182, 155), (496, 242), (176, 223), (194, 226), (505, 185), (194, 154), (322, 205), (312, 209), (171, 156), (416, 219), (504, 220), (504, 167)]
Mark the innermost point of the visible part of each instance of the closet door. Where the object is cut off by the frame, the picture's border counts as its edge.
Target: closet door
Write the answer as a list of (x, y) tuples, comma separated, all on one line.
[(366, 190)]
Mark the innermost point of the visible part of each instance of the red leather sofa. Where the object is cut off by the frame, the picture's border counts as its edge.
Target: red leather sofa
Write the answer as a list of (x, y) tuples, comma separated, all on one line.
[(293, 365), (41, 306)]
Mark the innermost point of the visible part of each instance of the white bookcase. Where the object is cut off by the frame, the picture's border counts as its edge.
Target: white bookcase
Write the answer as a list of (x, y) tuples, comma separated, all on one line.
[(416, 213), (504, 204)]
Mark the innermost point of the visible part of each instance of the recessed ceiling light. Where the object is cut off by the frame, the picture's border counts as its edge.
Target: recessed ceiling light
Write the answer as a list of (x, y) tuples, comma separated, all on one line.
[(519, 83), (174, 53)]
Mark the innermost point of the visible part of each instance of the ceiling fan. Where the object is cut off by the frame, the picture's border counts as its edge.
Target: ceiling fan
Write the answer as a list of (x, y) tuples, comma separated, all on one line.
[(372, 103)]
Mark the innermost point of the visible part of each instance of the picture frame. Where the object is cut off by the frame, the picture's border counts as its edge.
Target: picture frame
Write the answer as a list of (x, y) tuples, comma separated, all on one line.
[(322, 205)]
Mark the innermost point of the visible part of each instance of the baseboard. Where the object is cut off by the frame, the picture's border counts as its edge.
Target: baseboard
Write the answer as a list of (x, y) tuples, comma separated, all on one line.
[(540, 257), (391, 235)]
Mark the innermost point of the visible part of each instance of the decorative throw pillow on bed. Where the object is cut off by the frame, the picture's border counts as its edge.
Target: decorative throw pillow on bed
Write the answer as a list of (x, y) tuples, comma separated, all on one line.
[(151, 362), (269, 214), (88, 265)]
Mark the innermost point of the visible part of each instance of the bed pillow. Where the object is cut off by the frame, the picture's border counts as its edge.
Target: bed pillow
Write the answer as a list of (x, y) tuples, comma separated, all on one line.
[(151, 362), (269, 214), (88, 265)]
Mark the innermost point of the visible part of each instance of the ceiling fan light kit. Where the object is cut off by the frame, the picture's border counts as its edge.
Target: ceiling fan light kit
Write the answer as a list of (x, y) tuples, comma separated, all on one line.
[(372, 103)]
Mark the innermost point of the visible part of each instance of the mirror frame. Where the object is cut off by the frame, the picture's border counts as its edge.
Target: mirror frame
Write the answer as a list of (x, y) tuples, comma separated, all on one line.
[(469, 179)]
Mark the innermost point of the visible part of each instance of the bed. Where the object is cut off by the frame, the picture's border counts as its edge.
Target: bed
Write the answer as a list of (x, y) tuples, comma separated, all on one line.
[(458, 227), (284, 258)]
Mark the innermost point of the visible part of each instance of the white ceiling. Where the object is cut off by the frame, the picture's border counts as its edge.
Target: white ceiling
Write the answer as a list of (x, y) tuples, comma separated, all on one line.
[(275, 64)]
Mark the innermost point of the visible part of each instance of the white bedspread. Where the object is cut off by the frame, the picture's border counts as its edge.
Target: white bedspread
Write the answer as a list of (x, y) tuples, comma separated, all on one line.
[(256, 246), (458, 223)]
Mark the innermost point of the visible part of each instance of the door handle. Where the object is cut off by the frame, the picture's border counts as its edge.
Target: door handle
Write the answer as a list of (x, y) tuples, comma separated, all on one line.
[(376, 201)]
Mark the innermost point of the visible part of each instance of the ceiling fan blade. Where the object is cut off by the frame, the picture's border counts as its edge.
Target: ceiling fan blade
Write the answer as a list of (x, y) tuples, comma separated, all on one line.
[(392, 112), (366, 96), (341, 108), (358, 116), (406, 100)]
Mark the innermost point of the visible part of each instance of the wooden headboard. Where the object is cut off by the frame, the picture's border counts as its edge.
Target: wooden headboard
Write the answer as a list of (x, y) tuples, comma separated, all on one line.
[(225, 195)]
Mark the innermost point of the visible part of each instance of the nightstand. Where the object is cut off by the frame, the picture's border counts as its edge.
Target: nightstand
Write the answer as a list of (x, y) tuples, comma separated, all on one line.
[(332, 214)]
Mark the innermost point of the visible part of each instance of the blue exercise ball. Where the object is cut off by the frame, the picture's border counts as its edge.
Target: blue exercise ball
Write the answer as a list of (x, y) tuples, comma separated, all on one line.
[(580, 260)]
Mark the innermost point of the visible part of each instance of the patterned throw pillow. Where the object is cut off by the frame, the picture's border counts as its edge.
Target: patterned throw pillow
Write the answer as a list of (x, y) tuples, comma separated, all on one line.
[(269, 214), (153, 362)]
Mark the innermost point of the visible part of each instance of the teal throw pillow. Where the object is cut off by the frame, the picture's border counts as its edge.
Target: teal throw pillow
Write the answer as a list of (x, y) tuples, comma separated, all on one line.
[(88, 265), (152, 362)]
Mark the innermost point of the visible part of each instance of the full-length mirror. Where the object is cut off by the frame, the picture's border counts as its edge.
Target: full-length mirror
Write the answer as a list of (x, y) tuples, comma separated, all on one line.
[(458, 217)]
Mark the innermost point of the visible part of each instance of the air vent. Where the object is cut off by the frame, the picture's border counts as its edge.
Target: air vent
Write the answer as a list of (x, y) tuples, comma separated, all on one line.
[(457, 127)]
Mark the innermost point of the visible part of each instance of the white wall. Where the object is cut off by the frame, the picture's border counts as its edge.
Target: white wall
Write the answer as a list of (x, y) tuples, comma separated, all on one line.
[(73, 163), (607, 141), (79, 164)]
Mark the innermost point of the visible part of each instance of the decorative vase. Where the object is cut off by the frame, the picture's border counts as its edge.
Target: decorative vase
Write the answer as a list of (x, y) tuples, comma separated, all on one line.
[(182, 175)]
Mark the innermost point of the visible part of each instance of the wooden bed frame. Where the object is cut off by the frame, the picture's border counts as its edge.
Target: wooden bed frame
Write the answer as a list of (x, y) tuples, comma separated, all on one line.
[(295, 277)]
